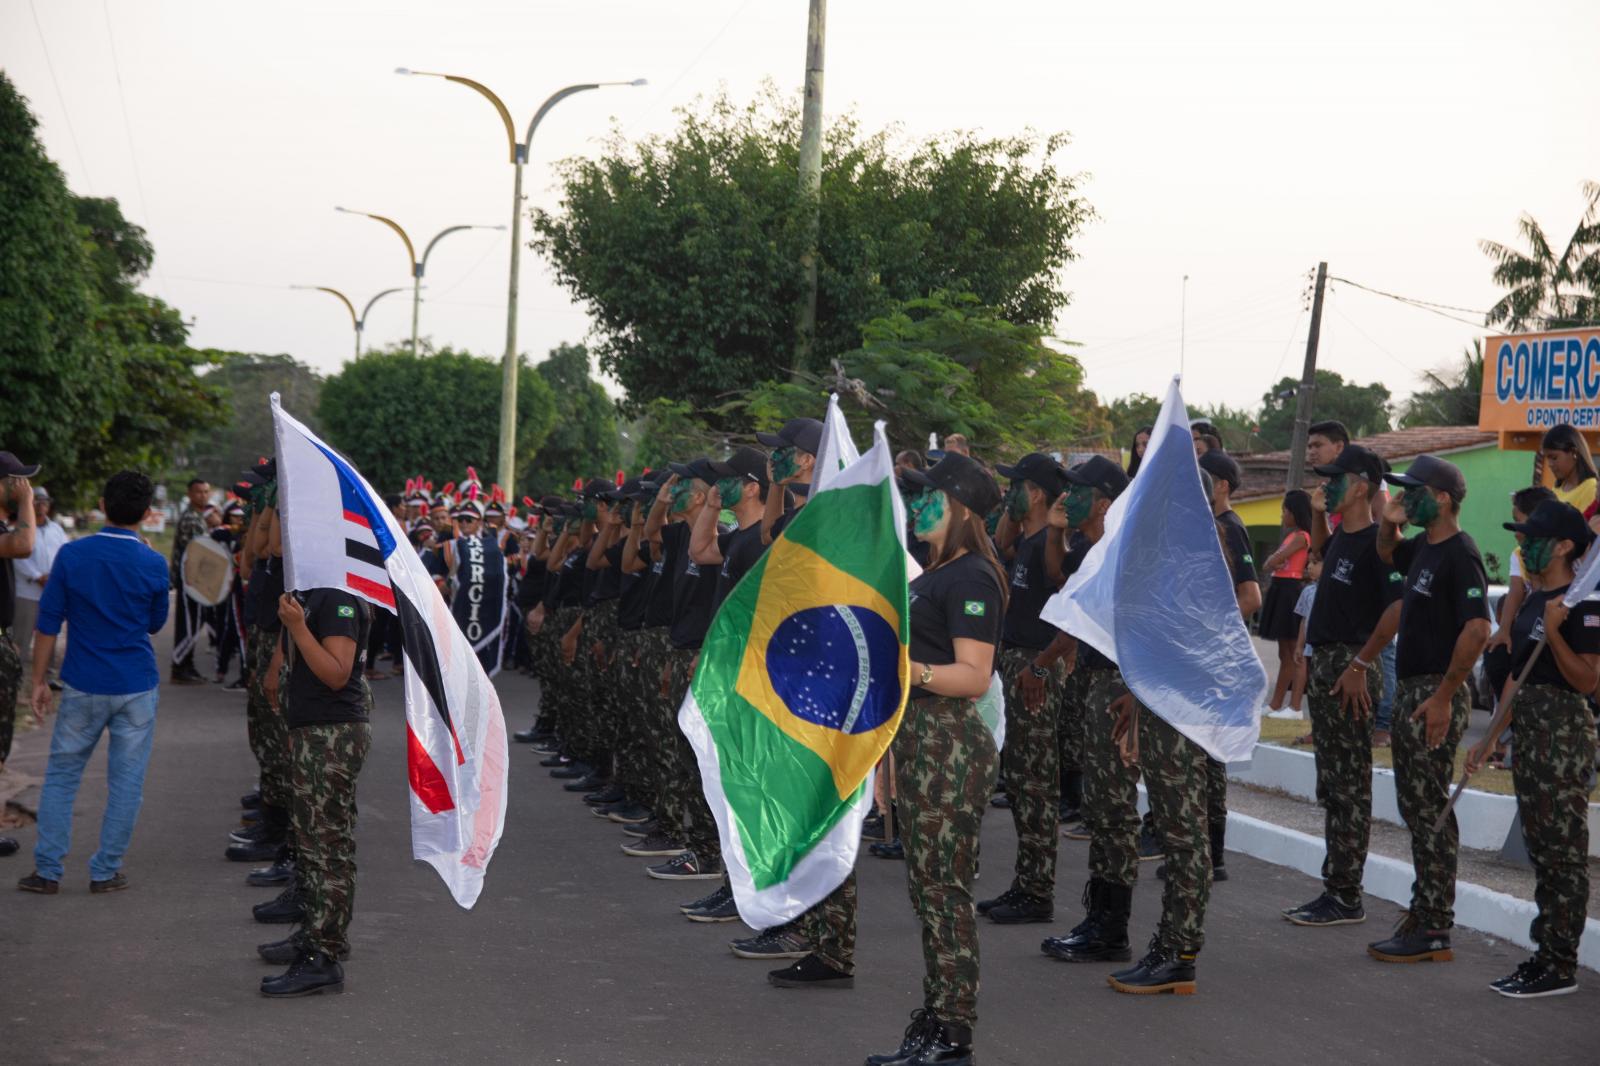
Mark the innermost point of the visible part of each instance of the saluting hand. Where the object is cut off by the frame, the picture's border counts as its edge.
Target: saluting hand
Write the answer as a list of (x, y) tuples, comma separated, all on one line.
[(1394, 512), (664, 493), (1319, 501), (1057, 516)]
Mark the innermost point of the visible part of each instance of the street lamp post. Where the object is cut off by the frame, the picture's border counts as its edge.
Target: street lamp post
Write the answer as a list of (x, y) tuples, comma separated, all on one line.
[(418, 266), (358, 321), (519, 156)]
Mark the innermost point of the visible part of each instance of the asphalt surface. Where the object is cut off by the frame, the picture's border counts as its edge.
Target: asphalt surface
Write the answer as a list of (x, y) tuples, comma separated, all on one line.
[(573, 955)]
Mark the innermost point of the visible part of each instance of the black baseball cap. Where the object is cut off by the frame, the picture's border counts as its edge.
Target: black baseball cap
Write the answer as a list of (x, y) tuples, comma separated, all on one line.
[(1354, 460), (802, 433), (1552, 518), (1224, 466), (694, 468), (11, 466), (1101, 473), (961, 477), (595, 487), (1435, 473), (744, 462), (1038, 468)]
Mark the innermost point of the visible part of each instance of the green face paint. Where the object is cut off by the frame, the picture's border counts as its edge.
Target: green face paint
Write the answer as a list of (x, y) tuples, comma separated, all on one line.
[(784, 463), (1421, 507), (557, 524), (591, 510), (682, 496), (1016, 501), (930, 513), (1079, 502), (1333, 492), (991, 521), (731, 489), (1537, 552)]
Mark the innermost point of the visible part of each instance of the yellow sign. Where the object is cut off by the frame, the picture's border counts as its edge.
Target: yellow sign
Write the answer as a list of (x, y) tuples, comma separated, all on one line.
[(1533, 381)]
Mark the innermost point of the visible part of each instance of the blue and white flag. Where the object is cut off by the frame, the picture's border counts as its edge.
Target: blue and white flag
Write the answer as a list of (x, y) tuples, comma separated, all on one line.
[(338, 534), (1155, 596)]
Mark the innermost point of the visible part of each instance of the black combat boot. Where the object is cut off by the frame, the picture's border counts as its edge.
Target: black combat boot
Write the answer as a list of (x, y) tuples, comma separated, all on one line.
[(1023, 908), (1413, 943), (311, 973), (984, 906), (285, 951), (930, 1042), (1106, 937), (1163, 969), (284, 910), (1219, 857), (281, 872)]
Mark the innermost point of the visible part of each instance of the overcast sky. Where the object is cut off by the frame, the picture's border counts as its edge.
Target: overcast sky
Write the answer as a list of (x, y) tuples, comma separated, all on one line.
[(1235, 142)]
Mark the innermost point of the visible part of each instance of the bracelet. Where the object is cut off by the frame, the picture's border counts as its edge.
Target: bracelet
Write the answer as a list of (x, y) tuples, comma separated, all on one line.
[(1359, 665)]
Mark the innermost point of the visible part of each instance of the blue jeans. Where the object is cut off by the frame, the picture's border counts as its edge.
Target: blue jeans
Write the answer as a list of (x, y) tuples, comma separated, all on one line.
[(1386, 704), (131, 721)]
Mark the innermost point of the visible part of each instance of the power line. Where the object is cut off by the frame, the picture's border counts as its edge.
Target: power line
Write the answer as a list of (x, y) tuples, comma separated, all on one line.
[(1423, 305), (127, 129), (673, 84), (66, 117)]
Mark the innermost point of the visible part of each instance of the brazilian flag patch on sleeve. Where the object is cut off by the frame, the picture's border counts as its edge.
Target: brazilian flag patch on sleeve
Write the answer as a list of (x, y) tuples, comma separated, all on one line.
[(1474, 594), (977, 608), (346, 611)]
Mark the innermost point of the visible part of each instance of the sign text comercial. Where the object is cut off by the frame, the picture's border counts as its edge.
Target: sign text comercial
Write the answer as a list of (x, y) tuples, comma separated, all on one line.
[(1532, 381)]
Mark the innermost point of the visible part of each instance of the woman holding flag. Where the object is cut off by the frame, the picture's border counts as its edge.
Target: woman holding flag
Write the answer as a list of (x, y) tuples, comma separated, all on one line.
[(1555, 743), (944, 752)]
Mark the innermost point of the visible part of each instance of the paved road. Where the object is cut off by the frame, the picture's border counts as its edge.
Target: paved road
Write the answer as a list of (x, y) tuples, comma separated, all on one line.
[(574, 956)]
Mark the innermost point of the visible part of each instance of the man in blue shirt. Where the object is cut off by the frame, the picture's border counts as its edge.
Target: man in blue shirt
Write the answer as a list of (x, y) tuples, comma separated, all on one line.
[(112, 589)]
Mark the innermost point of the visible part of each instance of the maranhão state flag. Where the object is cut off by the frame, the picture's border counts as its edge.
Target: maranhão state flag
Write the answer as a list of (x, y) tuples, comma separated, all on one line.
[(801, 684), (338, 534)]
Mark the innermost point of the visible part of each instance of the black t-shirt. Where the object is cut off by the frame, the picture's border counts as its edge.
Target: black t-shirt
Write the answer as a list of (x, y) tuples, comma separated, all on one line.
[(1030, 588), (741, 549), (570, 578), (693, 586), (634, 597), (1236, 541), (961, 599), (662, 561), (268, 589), (1089, 657), (1581, 631), (329, 613), (530, 586), (1355, 589), (1444, 590), (607, 582)]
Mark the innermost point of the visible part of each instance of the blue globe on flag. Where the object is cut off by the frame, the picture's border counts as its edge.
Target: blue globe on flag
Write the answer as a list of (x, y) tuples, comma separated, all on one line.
[(836, 667)]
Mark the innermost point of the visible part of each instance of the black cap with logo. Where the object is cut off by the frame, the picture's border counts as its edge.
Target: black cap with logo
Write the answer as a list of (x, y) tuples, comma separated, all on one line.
[(1557, 520), (745, 462), (802, 433), (1222, 466), (1038, 468), (1354, 460), (1101, 473)]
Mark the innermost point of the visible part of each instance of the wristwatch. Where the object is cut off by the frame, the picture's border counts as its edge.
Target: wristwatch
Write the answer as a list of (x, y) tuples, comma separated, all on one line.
[(1041, 672), (927, 675)]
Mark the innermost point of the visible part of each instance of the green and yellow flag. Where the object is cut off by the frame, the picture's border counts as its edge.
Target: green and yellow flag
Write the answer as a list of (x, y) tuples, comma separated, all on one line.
[(801, 685)]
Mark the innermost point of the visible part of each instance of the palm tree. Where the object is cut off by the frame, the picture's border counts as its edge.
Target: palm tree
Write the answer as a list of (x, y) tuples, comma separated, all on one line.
[(1451, 396), (1534, 280)]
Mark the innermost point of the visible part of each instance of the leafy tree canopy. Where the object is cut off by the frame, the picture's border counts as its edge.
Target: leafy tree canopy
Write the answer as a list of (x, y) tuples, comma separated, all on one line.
[(247, 381), (1364, 409), (584, 441), (1451, 396), (687, 246), (396, 415)]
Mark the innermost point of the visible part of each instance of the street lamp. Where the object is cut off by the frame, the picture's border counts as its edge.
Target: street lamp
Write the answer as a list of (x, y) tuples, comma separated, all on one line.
[(519, 156), (417, 265), (358, 321)]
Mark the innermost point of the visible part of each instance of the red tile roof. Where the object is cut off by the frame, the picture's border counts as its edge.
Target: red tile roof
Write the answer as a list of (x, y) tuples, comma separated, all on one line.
[(1266, 472)]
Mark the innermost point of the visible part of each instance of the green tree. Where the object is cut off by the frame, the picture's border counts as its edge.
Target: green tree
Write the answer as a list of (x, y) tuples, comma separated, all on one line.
[(1452, 395), (57, 382), (247, 381), (584, 441), (1364, 409), (1535, 279), (670, 431), (945, 364), (396, 416), (1240, 429), (1129, 414), (686, 246)]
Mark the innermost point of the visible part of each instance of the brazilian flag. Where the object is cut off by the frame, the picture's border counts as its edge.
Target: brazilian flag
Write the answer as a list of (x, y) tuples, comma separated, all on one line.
[(801, 685)]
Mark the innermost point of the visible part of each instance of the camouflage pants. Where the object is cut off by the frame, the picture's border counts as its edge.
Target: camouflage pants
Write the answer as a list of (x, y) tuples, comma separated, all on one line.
[(270, 738), (1216, 792), (1033, 774), (1069, 719), (945, 764), (699, 828), (599, 648), (327, 760), (1344, 769), (831, 927), (1110, 790), (1554, 755), (556, 683), (623, 692), (1175, 780), (657, 754), (10, 688), (1422, 779)]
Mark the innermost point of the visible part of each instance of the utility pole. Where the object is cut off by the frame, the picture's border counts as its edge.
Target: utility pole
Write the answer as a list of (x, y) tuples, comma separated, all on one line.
[(1308, 386), (811, 176)]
